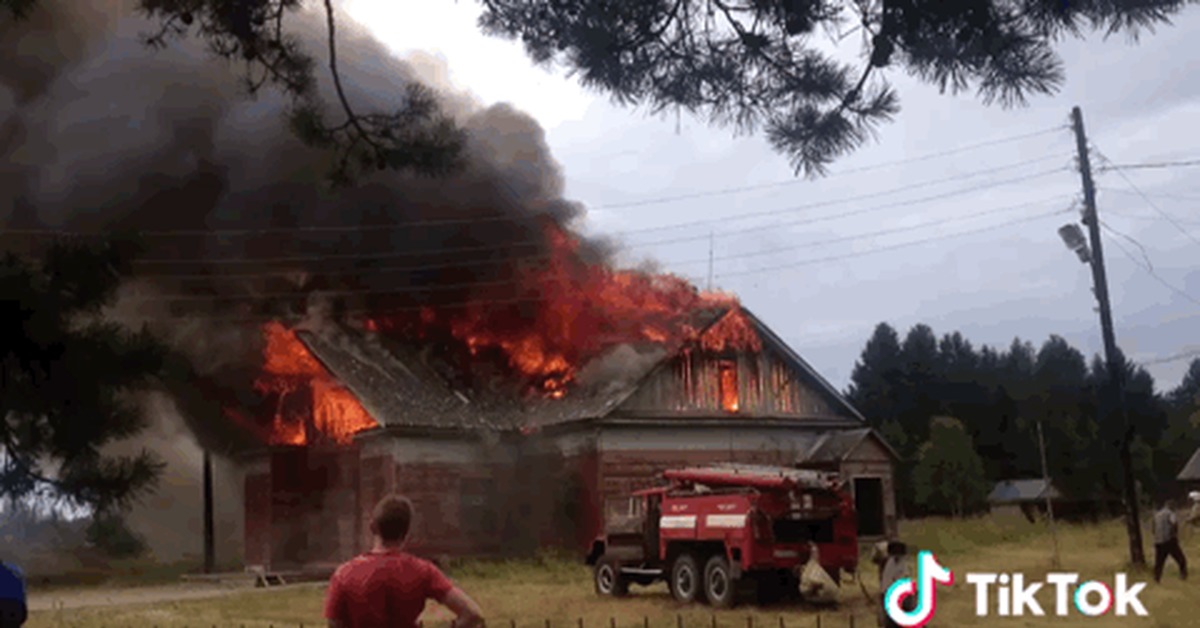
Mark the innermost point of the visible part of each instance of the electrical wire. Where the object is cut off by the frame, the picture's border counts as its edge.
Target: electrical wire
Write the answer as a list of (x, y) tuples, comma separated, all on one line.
[(1148, 266), (871, 168), (515, 283), (896, 246), (1144, 166), (1172, 358), (394, 254), (1149, 202), (531, 217)]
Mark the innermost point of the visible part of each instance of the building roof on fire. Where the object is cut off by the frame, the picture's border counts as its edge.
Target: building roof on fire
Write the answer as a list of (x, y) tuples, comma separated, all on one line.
[(396, 388), (400, 390)]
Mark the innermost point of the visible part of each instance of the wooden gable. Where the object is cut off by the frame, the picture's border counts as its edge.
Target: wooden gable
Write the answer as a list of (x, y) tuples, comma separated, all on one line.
[(731, 384)]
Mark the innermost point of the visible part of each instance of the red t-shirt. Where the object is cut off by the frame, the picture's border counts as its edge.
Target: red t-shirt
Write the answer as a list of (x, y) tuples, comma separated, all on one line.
[(384, 590)]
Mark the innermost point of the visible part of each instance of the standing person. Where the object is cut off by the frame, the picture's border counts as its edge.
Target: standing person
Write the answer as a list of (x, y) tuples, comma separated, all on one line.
[(894, 568), (13, 611), (1166, 541), (1194, 515), (388, 588)]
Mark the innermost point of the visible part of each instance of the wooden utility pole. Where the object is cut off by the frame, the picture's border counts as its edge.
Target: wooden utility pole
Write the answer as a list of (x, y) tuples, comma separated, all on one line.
[(209, 549), (1047, 489), (1115, 371)]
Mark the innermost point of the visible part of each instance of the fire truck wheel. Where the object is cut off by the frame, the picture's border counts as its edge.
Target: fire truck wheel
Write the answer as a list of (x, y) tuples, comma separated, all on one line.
[(609, 580), (685, 579), (719, 585)]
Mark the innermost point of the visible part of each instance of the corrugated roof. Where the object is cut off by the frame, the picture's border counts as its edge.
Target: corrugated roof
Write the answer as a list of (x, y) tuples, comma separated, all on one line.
[(397, 390), (1022, 491), (400, 390), (1191, 470)]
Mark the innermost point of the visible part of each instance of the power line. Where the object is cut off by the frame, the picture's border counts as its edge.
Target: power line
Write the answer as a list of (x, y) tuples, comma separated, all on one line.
[(1149, 202), (514, 282), (880, 166), (801, 208), (1148, 267), (539, 298), (1161, 164), (1173, 358), (1177, 197), (897, 246), (533, 217)]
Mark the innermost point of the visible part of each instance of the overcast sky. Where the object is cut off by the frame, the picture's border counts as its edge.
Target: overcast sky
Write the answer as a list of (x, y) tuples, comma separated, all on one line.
[(815, 274)]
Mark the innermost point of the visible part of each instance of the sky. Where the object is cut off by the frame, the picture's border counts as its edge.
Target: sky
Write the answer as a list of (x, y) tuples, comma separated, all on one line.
[(900, 231)]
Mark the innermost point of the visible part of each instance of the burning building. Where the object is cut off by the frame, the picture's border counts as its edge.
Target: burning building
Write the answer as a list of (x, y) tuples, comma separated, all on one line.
[(455, 339), (489, 477)]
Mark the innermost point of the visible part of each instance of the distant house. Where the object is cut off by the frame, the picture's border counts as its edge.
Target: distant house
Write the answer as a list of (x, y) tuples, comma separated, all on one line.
[(1027, 497), (1190, 474)]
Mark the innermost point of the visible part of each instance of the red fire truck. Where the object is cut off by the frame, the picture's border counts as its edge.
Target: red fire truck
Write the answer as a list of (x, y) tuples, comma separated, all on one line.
[(713, 533)]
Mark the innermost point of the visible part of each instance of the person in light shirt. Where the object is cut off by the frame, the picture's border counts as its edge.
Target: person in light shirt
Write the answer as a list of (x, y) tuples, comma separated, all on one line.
[(1166, 541)]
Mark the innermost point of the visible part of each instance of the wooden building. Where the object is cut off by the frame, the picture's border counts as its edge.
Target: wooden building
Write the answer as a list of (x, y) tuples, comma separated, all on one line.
[(489, 480)]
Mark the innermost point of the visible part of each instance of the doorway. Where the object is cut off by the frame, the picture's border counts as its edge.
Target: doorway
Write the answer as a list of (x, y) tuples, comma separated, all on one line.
[(868, 502)]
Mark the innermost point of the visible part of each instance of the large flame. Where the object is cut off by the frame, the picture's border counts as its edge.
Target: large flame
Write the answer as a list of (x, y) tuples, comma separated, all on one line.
[(290, 370), (573, 311)]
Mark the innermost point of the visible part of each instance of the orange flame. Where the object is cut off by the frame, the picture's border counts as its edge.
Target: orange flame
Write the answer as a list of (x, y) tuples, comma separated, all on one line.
[(572, 310), (288, 369), (729, 385)]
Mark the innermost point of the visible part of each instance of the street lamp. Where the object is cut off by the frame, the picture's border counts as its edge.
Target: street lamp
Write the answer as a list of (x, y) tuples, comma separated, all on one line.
[(1073, 237)]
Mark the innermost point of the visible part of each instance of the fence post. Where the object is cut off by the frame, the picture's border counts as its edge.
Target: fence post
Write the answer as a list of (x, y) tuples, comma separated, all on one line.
[(714, 620), (749, 621), (851, 620), (612, 622), (818, 620), (645, 621), (512, 623), (679, 620)]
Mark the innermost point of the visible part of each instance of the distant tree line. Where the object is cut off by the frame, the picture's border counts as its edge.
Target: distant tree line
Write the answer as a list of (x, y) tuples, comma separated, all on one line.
[(963, 418)]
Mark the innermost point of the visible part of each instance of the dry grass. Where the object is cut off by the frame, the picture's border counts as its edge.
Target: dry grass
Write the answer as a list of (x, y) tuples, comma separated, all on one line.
[(555, 589)]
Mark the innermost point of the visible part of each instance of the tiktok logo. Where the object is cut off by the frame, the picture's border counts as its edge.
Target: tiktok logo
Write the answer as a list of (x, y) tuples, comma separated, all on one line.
[(929, 574)]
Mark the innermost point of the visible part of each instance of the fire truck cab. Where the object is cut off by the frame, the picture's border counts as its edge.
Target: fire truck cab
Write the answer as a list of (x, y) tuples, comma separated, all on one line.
[(712, 533)]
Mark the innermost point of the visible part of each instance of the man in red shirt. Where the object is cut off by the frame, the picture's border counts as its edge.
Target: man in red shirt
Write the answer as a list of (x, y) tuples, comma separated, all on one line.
[(386, 587)]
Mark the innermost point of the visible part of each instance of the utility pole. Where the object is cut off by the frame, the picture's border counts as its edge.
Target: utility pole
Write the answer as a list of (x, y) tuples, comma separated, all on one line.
[(209, 550), (1049, 501), (1115, 370)]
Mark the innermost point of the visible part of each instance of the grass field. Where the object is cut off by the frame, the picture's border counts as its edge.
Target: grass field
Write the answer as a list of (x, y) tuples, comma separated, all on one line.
[(556, 590)]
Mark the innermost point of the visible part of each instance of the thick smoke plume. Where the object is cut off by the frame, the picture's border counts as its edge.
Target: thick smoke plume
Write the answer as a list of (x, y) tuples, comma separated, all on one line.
[(109, 135), (99, 133)]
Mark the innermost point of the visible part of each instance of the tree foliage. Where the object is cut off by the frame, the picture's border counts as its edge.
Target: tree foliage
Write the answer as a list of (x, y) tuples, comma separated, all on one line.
[(756, 63), (750, 64), (1001, 396), (949, 476), (67, 380)]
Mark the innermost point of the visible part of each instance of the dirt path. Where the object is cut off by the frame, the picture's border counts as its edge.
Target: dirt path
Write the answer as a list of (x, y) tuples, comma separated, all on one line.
[(100, 596)]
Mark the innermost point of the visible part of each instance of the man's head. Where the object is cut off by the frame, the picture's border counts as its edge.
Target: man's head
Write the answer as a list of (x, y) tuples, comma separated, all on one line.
[(1168, 503), (897, 548), (391, 519)]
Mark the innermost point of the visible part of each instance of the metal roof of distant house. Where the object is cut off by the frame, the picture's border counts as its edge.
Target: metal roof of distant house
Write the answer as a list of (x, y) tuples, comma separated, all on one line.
[(1191, 470), (1014, 491)]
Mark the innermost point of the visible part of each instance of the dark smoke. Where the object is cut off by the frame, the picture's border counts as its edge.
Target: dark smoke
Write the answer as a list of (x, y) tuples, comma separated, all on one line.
[(112, 136), (100, 134)]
